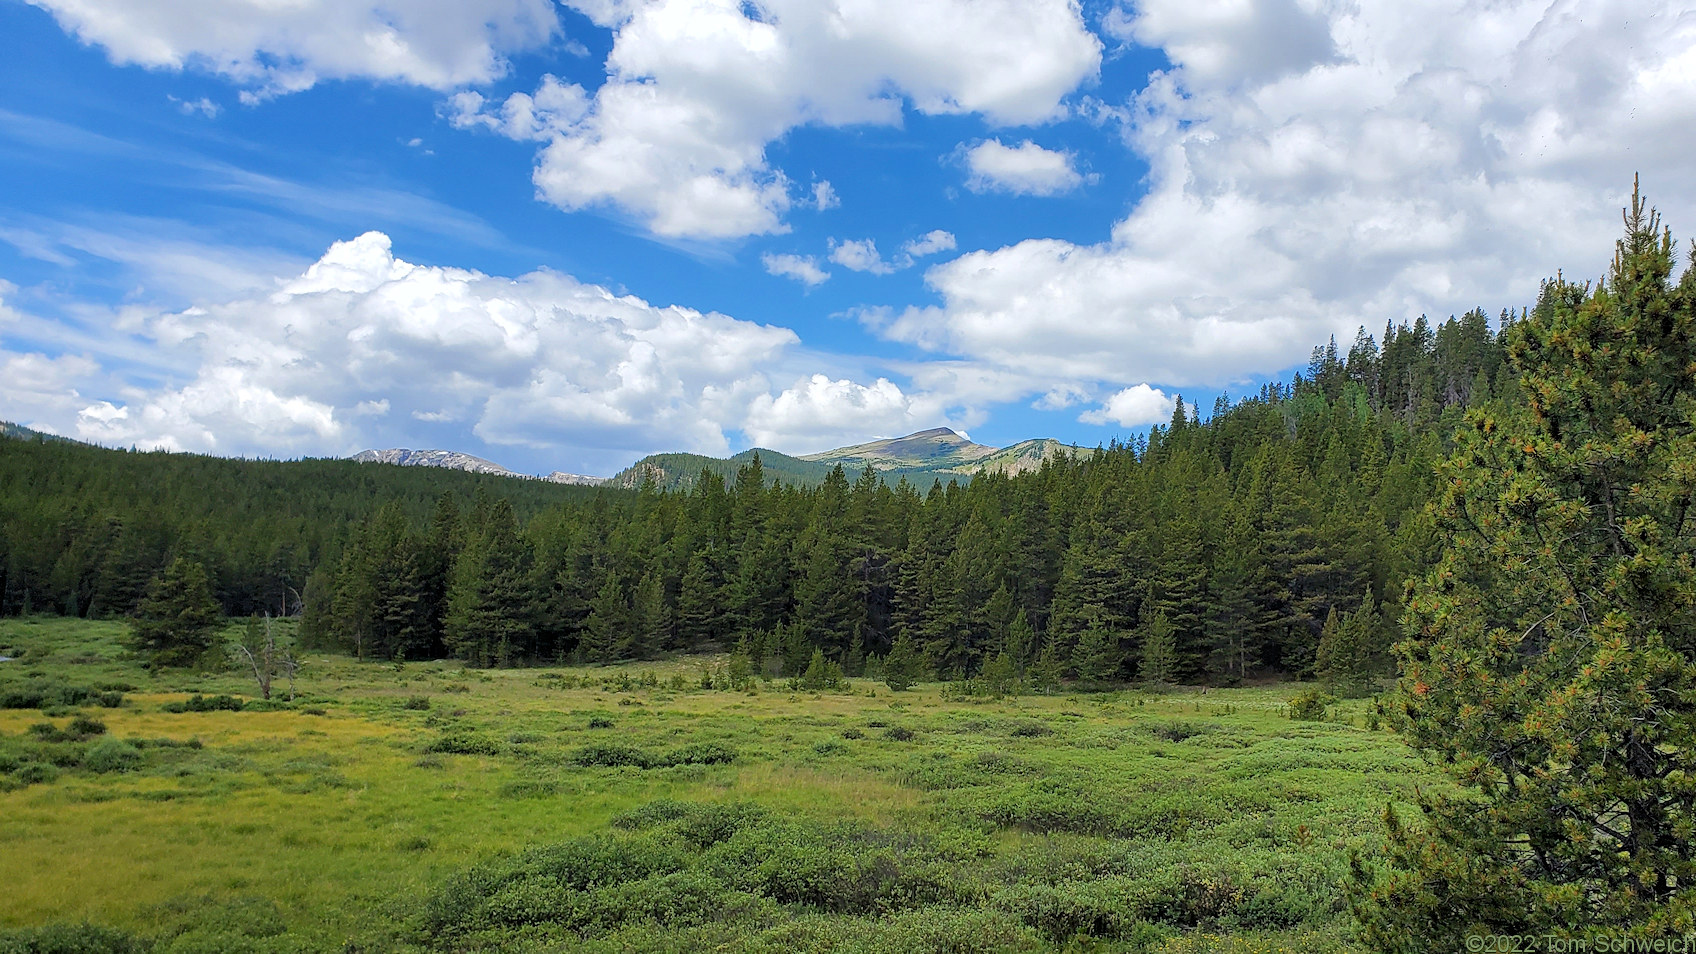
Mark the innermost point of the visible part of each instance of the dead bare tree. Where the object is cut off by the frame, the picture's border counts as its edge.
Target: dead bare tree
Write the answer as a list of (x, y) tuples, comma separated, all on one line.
[(259, 647)]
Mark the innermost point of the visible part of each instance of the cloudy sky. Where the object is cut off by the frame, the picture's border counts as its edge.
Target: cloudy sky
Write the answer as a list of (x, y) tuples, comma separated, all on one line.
[(565, 234)]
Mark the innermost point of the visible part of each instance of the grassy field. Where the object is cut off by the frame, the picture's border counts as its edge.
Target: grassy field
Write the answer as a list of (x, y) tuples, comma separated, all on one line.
[(422, 806)]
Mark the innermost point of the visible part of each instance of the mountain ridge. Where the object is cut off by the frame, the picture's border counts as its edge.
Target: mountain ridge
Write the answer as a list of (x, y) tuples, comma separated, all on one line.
[(939, 453)]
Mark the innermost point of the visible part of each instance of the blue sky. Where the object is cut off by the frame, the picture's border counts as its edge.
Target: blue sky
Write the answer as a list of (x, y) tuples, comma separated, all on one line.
[(563, 235)]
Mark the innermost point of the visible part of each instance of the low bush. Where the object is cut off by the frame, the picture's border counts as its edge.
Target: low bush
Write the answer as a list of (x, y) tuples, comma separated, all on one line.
[(71, 939), (463, 742), (50, 695), (612, 755), (199, 703), (702, 753), (1310, 706), (111, 755), (35, 773)]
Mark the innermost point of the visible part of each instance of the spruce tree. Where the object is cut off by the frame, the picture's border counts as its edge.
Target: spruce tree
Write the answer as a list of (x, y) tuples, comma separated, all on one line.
[(904, 665), (177, 621), (1551, 663), (1159, 663)]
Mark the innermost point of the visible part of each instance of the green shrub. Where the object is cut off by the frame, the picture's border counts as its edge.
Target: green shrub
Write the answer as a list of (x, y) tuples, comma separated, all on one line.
[(416, 703), (111, 755), (199, 703), (600, 722), (613, 756), (462, 742), (83, 727), (1310, 706), (71, 939), (898, 733), (1178, 731), (48, 732), (49, 695), (35, 773), (702, 753)]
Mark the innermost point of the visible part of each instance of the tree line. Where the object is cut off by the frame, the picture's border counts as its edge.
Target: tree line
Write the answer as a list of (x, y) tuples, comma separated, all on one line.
[(1237, 537), (1242, 539)]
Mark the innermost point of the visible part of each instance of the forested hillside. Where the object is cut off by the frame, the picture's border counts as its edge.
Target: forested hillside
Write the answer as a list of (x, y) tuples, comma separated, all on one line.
[(1238, 538), (83, 529)]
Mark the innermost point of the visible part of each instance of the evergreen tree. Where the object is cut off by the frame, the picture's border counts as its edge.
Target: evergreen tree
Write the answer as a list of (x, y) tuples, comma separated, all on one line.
[(1021, 643), (490, 605), (608, 625), (1159, 661), (700, 601), (904, 665), (650, 620), (1551, 667), (1099, 658), (177, 621), (1348, 649)]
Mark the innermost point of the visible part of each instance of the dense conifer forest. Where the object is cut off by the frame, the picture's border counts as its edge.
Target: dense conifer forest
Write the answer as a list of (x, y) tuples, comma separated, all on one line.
[(1245, 538)]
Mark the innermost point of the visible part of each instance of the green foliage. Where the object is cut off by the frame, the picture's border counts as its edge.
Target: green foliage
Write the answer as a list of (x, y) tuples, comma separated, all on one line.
[(1159, 662), (1000, 676), (199, 703), (177, 620), (1551, 667), (71, 939), (1349, 648), (1310, 705), (821, 674), (904, 665), (111, 755), (459, 741)]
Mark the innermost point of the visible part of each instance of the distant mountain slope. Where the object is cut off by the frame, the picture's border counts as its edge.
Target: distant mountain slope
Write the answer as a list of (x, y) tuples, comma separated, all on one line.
[(923, 457), (454, 460), (676, 470), (21, 433), (938, 447), (561, 477)]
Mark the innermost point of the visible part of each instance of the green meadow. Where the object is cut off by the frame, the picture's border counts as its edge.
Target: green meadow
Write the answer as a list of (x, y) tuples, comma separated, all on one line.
[(429, 807)]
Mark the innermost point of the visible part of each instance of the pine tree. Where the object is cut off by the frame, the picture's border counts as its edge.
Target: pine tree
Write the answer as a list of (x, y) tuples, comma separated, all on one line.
[(904, 665), (1099, 658), (608, 625), (177, 621), (700, 601), (1021, 643), (490, 605), (1159, 663), (1348, 648), (650, 620), (1551, 668)]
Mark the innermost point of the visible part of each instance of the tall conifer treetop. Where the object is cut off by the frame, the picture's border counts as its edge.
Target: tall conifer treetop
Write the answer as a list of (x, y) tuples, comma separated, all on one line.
[(1551, 663)]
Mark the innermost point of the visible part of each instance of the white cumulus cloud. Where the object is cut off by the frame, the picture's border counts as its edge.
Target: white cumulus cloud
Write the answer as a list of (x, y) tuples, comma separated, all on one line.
[(930, 243), (362, 340), (818, 413), (1025, 169), (802, 268), (860, 255), (274, 47), (1132, 407), (696, 89), (1318, 167)]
